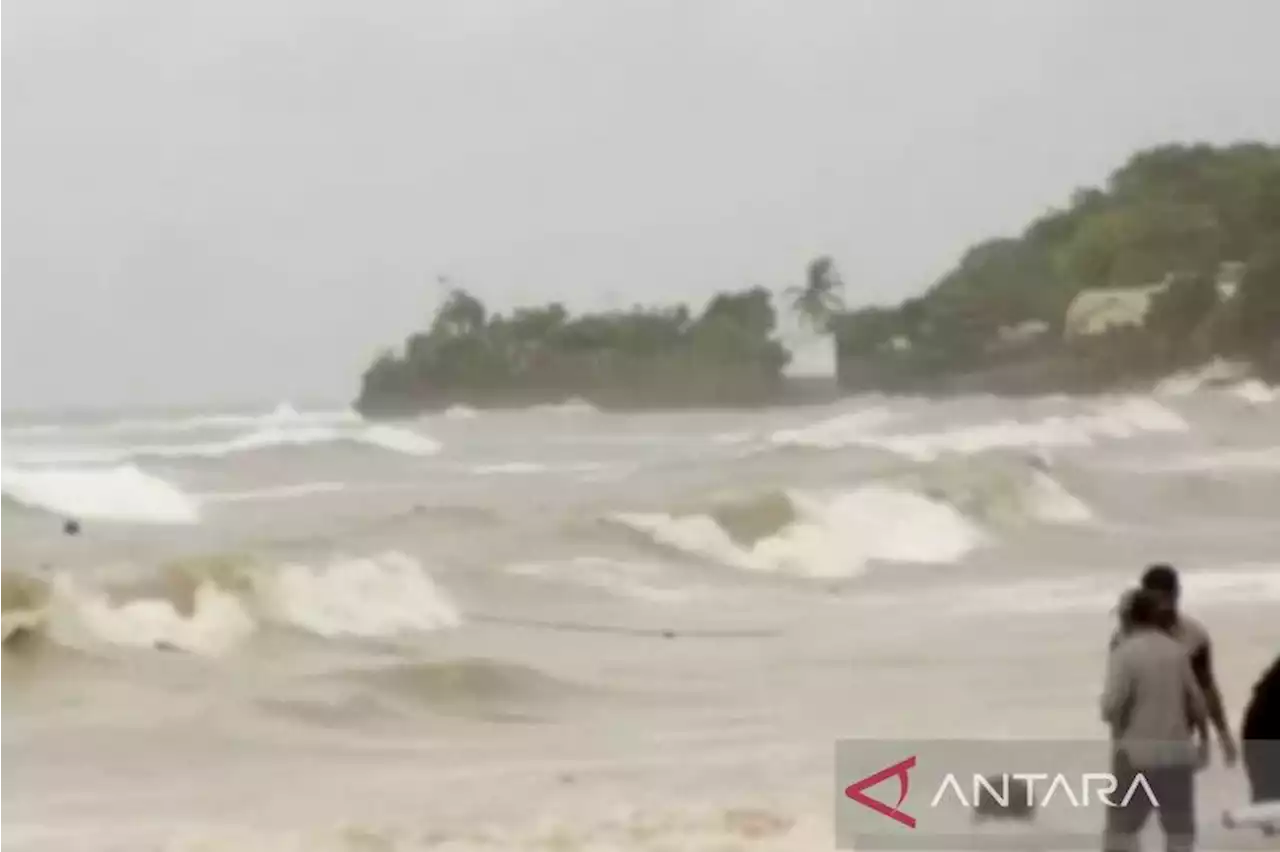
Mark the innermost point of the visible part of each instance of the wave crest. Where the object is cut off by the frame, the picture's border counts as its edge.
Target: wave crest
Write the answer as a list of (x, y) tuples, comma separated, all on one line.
[(829, 536), (210, 606)]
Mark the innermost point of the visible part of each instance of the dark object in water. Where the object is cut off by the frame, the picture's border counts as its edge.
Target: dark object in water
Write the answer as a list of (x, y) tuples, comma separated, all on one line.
[(163, 645), (71, 527), (1017, 803)]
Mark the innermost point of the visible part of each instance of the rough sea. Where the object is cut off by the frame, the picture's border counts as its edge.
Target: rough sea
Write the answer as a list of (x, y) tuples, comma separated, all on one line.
[(566, 629)]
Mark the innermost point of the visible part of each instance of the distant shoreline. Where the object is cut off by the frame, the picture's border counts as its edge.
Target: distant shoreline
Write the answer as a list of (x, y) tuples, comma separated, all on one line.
[(803, 392)]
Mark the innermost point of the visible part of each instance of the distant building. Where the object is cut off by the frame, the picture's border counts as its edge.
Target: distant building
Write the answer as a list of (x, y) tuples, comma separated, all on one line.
[(1096, 311)]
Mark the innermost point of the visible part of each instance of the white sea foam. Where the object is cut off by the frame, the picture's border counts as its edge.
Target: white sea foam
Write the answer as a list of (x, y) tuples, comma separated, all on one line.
[(379, 596), (833, 535), (273, 492), (1054, 503), (1257, 392), (81, 616), (1125, 418), (284, 413), (573, 405), (841, 430), (460, 412), (122, 493), (399, 439), (1188, 382), (384, 595)]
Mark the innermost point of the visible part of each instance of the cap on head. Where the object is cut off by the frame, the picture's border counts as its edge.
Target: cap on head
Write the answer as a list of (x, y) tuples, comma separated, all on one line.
[(1162, 579)]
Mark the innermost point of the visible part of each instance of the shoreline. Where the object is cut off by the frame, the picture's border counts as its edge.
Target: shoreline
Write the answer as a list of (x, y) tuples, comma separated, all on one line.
[(1013, 382)]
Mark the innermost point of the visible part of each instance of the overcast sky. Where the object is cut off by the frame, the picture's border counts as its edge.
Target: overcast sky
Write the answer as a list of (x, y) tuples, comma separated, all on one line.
[(240, 201)]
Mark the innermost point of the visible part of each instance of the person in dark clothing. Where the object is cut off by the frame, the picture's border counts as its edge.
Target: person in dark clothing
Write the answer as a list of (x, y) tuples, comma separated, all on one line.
[(1162, 580), (1260, 737)]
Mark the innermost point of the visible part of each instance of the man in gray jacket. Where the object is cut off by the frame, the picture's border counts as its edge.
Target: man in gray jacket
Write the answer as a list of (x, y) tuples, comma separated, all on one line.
[(1153, 704)]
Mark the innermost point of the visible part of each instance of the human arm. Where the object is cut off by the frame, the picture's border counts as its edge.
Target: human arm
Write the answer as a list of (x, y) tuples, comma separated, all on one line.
[(1197, 713), (1202, 668), (1117, 690)]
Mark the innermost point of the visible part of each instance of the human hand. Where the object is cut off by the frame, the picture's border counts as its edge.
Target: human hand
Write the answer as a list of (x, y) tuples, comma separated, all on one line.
[(1229, 752), (1203, 753)]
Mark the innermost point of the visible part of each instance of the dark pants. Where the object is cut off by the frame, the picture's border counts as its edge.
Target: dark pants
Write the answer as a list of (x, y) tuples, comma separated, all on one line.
[(1261, 760), (1173, 788)]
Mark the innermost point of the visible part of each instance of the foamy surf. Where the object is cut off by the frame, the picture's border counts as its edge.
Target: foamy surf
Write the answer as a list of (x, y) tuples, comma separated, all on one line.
[(460, 412), (82, 617), (831, 535), (282, 414), (384, 596), (1256, 392), (1188, 382), (210, 608), (1051, 502), (1127, 418), (396, 439), (997, 491), (841, 430), (122, 493), (274, 492)]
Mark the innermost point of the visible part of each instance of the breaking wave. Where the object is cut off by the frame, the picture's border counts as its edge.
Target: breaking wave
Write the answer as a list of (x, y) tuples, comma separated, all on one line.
[(1255, 391), (936, 513), (1127, 418), (281, 414), (1214, 374), (122, 493), (833, 535), (210, 607), (998, 491), (396, 439)]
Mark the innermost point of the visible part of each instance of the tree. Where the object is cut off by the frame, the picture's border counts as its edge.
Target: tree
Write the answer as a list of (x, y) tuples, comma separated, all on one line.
[(1176, 316), (1258, 329), (659, 355), (1173, 214), (822, 295), (461, 314)]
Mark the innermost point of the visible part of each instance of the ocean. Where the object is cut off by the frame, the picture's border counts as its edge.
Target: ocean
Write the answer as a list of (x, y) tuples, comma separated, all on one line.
[(560, 628)]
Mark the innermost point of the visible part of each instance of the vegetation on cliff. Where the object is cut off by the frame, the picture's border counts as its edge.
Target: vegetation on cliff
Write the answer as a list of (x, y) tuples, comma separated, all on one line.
[(726, 355), (1197, 226), (1176, 215)]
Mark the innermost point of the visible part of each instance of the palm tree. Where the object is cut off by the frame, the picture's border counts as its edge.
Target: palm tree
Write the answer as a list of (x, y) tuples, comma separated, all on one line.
[(821, 297)]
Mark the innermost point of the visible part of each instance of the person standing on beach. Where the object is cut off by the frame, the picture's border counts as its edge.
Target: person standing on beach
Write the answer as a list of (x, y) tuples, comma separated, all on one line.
[(1152, 703), (1162, 580)]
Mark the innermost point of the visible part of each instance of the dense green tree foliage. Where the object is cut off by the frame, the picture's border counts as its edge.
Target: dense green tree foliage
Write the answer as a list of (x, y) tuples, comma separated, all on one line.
[(644, 356), (1174, 214)]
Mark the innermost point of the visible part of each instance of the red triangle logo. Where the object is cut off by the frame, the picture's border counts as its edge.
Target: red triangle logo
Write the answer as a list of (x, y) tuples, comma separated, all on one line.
[(855, 791)]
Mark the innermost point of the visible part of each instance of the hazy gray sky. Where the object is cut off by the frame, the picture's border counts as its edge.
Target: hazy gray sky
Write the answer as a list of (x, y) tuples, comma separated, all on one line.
[(242, 200)]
